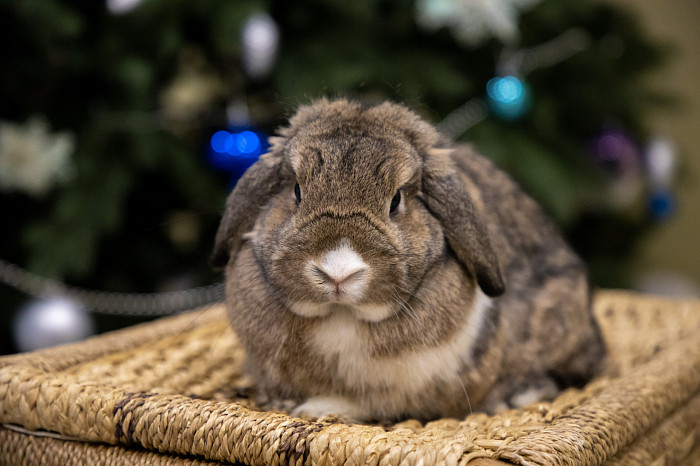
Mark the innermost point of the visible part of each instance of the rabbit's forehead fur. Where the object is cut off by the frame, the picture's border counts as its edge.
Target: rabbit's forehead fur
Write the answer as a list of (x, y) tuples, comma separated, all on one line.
[(350, 153), (338, 145)]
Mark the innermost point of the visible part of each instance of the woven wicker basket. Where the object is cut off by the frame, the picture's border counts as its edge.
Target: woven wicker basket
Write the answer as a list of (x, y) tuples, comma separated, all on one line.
[(172, 392)]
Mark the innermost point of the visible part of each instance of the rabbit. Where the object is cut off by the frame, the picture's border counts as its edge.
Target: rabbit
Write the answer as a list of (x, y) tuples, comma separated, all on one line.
[(377, 271)]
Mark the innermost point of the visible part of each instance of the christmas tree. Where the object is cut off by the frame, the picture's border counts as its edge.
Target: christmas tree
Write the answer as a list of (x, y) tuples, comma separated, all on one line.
[(125, 124)]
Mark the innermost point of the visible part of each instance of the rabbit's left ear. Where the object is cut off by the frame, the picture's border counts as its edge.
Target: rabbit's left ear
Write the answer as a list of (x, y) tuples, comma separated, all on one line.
[(448, 200)]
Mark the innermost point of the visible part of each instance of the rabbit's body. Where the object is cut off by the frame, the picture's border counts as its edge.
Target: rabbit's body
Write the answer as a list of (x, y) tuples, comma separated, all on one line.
[(382, 273)]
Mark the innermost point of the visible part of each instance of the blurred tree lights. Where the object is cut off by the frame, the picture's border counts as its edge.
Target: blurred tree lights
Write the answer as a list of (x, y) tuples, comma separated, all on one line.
[(166, 103)]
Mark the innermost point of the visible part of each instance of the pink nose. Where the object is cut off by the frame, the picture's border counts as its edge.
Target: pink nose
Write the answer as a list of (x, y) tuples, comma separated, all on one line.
[(342, 273), (339, 277)]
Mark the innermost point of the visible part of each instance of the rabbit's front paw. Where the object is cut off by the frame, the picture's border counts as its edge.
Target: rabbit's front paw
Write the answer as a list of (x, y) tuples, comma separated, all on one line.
[(319, 406)]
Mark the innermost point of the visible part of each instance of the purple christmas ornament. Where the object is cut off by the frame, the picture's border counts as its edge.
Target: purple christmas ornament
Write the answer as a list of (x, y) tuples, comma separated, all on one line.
[(616, 150)]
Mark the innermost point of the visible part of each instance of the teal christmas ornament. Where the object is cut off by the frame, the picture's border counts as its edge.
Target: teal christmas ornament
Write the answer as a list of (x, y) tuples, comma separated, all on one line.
[(508, 97)]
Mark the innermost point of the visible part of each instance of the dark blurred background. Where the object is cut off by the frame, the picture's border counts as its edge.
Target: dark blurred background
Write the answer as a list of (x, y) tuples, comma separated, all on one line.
[(125, 123)]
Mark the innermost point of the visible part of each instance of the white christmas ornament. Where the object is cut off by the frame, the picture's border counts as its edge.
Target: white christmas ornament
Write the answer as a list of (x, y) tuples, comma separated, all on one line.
[(661, 162), (120, 7), (51, 321), (474, 21), (32, 159), (260, 43)]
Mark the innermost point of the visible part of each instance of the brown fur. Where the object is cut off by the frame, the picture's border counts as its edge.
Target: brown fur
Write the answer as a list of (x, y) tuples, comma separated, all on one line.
[(463, 225)]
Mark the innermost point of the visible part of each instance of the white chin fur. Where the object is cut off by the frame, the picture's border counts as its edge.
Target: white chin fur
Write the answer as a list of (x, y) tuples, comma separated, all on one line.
[(366, 312), (371, 312), (308, 309)]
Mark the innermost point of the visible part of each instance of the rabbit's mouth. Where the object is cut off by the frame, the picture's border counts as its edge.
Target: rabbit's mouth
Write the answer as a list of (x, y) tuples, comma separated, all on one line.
[(339, 281)]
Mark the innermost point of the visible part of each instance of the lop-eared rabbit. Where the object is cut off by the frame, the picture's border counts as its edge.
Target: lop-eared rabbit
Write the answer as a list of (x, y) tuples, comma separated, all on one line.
[(377, 271)]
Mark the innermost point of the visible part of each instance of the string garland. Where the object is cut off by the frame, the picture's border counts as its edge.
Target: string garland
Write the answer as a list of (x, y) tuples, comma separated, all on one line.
[(102, 302)]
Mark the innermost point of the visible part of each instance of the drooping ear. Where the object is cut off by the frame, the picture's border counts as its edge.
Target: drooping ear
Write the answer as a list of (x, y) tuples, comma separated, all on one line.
[(447, 198), (261, 181), (253, 190)]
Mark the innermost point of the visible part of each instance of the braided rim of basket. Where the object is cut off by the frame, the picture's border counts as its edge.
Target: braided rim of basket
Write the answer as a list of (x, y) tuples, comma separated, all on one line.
[(650, 396)]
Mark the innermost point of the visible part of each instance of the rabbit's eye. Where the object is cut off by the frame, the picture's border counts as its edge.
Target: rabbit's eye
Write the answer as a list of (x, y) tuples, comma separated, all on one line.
[(297, 192), (395, 201)]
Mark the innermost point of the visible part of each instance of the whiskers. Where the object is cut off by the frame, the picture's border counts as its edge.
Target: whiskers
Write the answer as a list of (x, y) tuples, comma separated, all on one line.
[(466, 395)]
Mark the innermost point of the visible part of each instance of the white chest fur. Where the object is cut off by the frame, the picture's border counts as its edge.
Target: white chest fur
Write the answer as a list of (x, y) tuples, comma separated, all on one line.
[(342, 338)]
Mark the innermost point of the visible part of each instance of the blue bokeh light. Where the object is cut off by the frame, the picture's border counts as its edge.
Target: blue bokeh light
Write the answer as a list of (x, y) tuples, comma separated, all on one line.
[(247, 142), (221, 142), (235, 149), (508, 97), (662, 204), (244, 143)]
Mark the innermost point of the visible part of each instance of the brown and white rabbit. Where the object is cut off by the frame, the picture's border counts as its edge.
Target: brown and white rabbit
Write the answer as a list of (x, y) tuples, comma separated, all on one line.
[(376, 271)]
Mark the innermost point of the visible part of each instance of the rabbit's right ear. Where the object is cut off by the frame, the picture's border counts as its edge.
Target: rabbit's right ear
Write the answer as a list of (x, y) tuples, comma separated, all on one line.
[(447, 198), (259, 183), (254, 189)]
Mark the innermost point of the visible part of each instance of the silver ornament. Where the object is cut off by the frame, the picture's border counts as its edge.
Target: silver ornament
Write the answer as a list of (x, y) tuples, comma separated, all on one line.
[(260, 38), (47, 322), (661, 162), (122, 7)]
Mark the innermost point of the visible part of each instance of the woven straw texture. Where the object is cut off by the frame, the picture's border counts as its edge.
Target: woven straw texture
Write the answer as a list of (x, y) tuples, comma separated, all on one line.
[(172, 392)]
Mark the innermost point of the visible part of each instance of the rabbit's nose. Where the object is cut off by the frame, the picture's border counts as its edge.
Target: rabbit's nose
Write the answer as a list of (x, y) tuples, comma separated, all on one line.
[(343, 272), (338, 278)]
